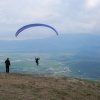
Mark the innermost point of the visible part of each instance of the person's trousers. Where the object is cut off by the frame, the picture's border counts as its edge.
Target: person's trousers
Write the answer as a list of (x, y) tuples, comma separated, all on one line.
[(7, 69)]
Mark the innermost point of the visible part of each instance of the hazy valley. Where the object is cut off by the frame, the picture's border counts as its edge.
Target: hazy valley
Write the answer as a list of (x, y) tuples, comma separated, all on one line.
[(76, 55)]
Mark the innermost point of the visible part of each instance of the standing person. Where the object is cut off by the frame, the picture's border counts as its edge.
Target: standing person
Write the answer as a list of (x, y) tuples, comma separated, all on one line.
[(36, 60), (7, 62)]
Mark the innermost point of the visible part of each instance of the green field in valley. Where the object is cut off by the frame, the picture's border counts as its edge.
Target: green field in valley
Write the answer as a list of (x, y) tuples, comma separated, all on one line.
[(67, 64)]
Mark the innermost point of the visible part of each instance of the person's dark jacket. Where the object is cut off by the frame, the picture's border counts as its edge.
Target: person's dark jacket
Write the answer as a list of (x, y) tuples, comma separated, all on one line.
[(7, 62)]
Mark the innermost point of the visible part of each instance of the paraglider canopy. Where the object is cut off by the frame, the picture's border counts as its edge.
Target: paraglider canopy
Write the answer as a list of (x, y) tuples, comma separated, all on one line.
[(34, 25)]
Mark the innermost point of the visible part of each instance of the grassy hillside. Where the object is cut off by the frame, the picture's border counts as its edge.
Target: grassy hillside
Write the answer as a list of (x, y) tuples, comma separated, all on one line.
[(41, 87)]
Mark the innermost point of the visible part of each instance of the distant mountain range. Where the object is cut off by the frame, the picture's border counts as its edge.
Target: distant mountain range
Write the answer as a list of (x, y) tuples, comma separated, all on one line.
[(78, 43)]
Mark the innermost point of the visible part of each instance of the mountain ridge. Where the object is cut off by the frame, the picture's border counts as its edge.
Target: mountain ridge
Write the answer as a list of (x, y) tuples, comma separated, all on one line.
[(61, 43)]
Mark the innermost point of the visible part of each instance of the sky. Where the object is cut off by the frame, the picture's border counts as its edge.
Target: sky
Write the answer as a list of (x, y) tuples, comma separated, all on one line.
[(66, 16)]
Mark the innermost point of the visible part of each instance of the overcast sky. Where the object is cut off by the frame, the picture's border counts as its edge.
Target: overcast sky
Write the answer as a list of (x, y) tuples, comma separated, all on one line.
[(66, 16)]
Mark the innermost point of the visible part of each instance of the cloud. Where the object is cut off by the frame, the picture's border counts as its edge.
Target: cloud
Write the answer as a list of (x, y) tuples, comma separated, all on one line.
[(67, 16), (92, 3)]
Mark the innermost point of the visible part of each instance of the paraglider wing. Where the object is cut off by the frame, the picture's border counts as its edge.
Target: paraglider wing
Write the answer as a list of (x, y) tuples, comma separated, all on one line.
[(33, 25)]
